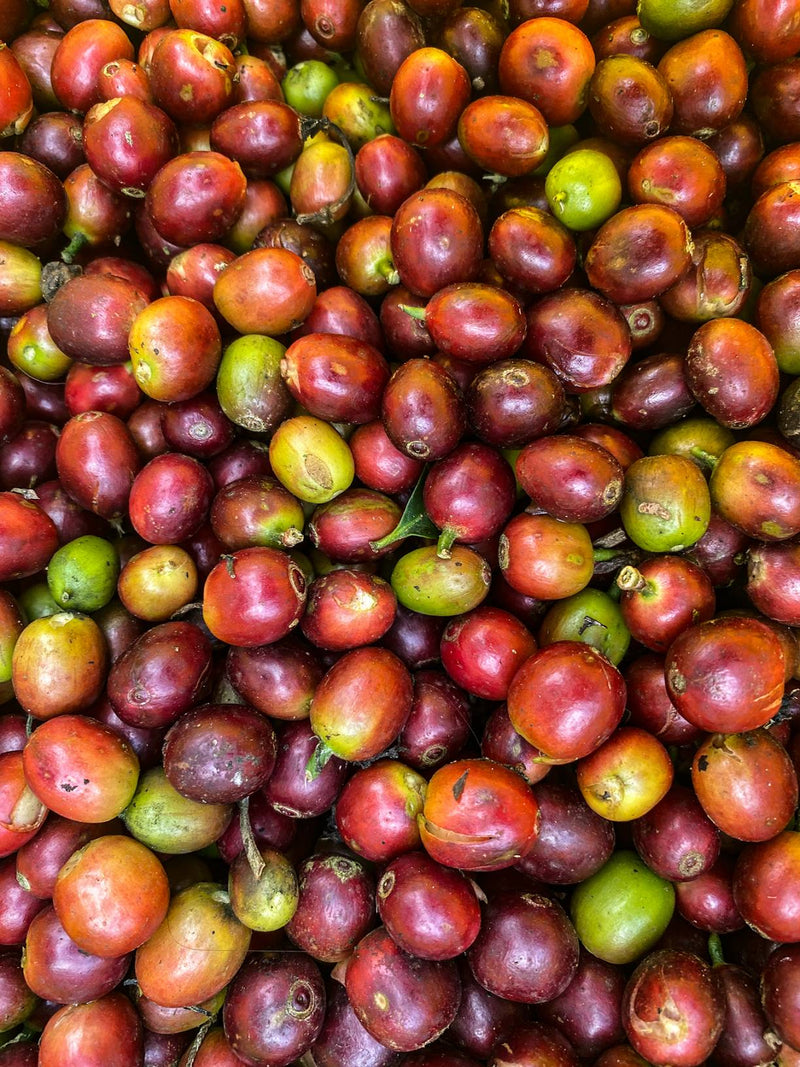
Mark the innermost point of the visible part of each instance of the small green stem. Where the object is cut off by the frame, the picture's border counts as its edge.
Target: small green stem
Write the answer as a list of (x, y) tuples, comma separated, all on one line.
[(251, 851), (715, 950), (445, 542), (414, 312), (707, 458), (604, 555), (319, 757), (74, 247)]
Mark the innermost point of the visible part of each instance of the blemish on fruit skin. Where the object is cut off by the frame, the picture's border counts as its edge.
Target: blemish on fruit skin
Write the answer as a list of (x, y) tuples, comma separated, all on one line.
[(381, 1001), (677, 681)]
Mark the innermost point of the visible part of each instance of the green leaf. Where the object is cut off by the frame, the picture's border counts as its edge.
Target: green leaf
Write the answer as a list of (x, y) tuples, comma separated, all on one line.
[(414, 522), (319, 757)]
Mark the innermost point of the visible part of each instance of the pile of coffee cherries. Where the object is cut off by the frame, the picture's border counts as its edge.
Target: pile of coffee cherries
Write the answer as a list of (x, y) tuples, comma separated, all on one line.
[(399, 533)]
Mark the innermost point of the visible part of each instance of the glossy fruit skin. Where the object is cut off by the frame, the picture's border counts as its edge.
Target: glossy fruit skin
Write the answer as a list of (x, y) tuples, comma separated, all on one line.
[(626, 776), (266, 290), (684, 175), (336, 378), (278, 679), (532, 249), (437, 725), (596, 700), (587, 1013), (469, 493), (652, 393), (665, 504), (274, 986), (254, 597), (548, 961), (580, 335), (545, 558), (344, 528), (387, 170), (755, 486), (746, 784), (56, 969), (482, 650), (29, 538), (175, 347), (743, 652), (97, 461), (197, 949), (475, 322), (425, 263), (582, 483), (422, 410), (264, 903), (96, 893), (430, 911), (36, 205), (162, 819), (346, 609), (194, 197), (504, 134), (692, 990), (676, 838), (311, 459), (59, 665), (360, 705), (623, 909), (424, 993), (18, 107), (79, 767), (535, 1042), (573, 841), (168, 484), (21, 812), (719, 80), (219, 753), (483, 1019), (548, 62), (429, 91), (772, 581), (249, 385), (732, 371), (395, 794), (717, 284), (779, 993), (343, 1039), (81, 54), (478, 815), (157, 581), (658, 251), (115, 123), (149, 686), (427, 583), (670, 595), (256, 511), (290, 790), (764, 886), (106, 1031), (327, 935), (629, 100), (184, 57), (262, 136)]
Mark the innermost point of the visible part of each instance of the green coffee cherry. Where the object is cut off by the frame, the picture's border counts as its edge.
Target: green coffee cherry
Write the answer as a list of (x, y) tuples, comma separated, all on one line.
[(82, 575), (311, 459)]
